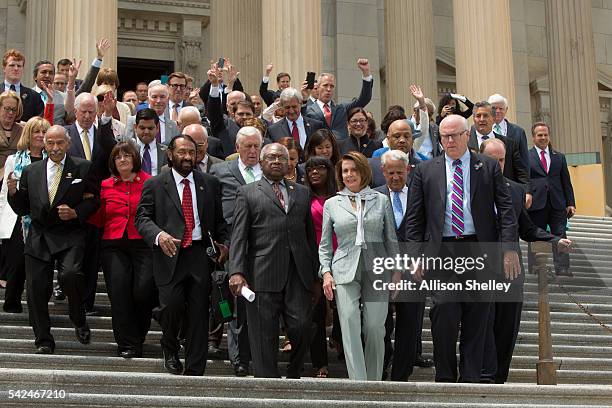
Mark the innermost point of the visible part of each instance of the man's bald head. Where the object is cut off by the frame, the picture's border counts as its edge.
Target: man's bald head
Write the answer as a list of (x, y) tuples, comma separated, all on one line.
[(189, 115), (399, 136), (495, 149), (200, 136)]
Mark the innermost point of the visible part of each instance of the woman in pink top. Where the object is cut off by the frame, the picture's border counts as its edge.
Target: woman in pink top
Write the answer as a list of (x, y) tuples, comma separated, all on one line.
[(322, 184)]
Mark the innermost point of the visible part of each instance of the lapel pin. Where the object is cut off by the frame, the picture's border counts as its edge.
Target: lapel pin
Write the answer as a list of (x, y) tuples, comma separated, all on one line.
[(290, 187), (201, 188), (24, 96), (68, 175), (478, 165)]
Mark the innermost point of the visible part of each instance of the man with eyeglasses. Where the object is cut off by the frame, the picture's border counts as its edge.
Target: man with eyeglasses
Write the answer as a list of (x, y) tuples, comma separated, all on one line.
[(177, 83), (273, 252)]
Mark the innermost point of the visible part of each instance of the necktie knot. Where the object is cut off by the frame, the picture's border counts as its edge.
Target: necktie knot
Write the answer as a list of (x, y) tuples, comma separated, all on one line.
[(185, 182), (147, 147), (457, 162), (485, 137)]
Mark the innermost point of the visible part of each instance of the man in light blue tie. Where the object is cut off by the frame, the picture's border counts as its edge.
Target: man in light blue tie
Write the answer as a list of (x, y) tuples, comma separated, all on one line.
[(408, 315)]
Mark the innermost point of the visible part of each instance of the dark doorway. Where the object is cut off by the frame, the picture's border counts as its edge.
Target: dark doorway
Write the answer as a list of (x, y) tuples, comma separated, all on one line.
[(134, 70)]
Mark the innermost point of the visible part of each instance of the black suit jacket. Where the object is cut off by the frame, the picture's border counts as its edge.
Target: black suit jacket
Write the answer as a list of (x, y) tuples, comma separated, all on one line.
[(32, 103), (556, 184), (514, 168), (281, 129), (48, 234), (160, 210), (364, 145), (104, 141), (265, 238), (517, 133), (401, 230), (527, 230), (378, 178), (488, 190), (268, 96), (222, 127)]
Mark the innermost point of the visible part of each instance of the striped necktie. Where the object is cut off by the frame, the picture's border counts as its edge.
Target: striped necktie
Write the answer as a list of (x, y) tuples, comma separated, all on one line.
[(457, 221), (55, 182)]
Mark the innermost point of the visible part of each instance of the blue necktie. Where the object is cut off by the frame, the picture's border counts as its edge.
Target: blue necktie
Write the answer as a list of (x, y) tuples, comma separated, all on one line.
[(398, 211), (146, 160)]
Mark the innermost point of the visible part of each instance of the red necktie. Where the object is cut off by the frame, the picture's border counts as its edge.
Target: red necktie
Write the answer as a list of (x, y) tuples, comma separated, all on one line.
[(327, 114), (187, 205), (295, 134), (279, 194), (543, 160)]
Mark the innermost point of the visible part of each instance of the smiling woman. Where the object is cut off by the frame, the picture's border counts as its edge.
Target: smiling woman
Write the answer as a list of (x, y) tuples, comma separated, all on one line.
[(10, 112)]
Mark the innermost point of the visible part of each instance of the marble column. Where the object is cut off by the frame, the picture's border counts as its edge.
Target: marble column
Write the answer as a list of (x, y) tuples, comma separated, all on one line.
[(236, 27), (79, 25), (40, 38), (483, 50), (410, 51), (288, 38)]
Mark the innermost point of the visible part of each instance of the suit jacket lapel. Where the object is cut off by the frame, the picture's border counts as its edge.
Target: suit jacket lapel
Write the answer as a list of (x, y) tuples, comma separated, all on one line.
[(291, 194), (536, 158), (317, 110), (345, 203), (76, 142), (43, 191), (170, 187), (200, 192), (441, 163), (65, 181), (474, 176), (554, 160), (161, 154), (233, 168), (266, 188)]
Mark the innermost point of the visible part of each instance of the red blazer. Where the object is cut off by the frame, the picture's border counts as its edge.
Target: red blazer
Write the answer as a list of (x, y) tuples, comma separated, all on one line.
[(118, 204)]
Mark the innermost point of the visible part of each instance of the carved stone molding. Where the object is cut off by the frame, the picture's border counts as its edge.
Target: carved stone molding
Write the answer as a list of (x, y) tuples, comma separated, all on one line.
[(145, 43), (191, 51)]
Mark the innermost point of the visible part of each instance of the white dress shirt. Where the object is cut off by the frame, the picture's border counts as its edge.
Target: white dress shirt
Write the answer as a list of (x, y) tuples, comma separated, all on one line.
[(256, 170), (468, 222), (491, 135), (301, 130), (152, 153), (196, 235), (546, 154), (503, 125), (51, 169), (7, 86)]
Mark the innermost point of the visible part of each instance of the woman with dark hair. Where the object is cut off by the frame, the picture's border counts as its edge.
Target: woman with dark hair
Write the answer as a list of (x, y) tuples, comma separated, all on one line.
[(323, 143), (449, 105), (358, 140), (322, 184), (126, 259), (295, 173)]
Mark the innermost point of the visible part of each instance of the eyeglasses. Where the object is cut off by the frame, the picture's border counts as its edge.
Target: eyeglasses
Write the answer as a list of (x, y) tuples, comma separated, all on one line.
[(123, 157), (318, 169), (357, 121), (452, 135), (272, 158), (9, 110), (177, 86)]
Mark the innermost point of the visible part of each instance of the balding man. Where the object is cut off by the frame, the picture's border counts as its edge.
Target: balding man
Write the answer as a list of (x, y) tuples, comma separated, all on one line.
[(59, 195), (199, 134), (158, 101), (399, 137)]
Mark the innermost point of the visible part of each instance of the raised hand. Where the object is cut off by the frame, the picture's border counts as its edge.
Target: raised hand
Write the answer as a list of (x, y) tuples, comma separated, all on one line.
[(102, 46), (269, 68), (48, 90), (109, 103), (73, 70), (416, 92), (364, 66)]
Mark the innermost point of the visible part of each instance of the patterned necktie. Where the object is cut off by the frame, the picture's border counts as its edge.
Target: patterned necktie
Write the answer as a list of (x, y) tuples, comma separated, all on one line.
[(328, 115), (13, 88), (457, 222), (398, 210), (279, 194), (86, 145), (146, 160), (543, 161), (497, 129), (249, 176), (187, 205), (55, 183), (295, 134)]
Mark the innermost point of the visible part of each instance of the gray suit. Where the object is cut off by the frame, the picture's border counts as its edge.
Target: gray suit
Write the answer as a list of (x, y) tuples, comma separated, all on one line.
[(230, 177), (348, 265), (171, 129)]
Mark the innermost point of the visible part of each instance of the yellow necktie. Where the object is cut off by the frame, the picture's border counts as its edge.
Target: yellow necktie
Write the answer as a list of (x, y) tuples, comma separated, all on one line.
[(55, 182), (86, 145)]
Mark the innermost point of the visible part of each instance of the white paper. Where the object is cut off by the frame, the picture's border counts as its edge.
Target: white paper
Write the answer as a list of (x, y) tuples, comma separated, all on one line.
[(247, 293)]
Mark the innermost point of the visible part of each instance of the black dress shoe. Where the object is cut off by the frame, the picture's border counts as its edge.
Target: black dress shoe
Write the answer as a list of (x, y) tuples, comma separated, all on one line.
[(423, 362), (172, 364), (58, 293), (83, 334), (564, 272), (240, 370), (130, 354), (13, 309), (44, 350)]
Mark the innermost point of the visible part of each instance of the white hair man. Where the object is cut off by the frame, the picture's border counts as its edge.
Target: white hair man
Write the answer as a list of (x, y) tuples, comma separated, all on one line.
[(158, 97), (503, 127)]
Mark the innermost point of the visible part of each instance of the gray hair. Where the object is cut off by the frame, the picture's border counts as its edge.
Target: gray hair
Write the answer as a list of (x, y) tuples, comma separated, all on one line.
[(189, 110), (242, 94), (154, 83), (289, 93), (58, 127), (84, 97), (157, 86), (326, 74), (461, 119), (269, 147), (394, 155), (246, 132), (497, 98)]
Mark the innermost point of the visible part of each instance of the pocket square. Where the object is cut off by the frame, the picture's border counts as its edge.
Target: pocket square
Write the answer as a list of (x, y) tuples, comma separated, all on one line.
[(76, 181)]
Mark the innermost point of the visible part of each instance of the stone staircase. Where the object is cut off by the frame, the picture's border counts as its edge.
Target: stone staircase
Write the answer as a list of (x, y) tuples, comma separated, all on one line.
[(92, 376)]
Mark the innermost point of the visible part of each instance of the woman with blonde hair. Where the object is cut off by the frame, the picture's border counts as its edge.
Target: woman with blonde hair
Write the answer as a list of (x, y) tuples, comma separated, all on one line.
[(30, 148)]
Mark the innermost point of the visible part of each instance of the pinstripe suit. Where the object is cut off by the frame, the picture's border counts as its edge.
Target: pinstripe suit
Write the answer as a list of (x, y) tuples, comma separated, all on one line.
[(275, 251), (347, 268)]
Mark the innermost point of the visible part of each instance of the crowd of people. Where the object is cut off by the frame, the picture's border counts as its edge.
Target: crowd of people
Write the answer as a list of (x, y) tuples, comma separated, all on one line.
[(208, 205)]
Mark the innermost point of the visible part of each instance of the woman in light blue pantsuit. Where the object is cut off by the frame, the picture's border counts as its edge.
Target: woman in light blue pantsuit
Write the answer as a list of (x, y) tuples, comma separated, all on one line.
[(361, 218)]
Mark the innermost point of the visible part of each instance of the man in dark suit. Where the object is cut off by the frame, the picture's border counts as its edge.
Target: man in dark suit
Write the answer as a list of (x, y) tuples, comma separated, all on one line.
[(59, 195), (454, 205), (408, 315), (274, 253), (505, 315), (232, 175), (12, 65), (334, 115), (505, 128), (178, 211), (483, 130), (153, 155), (553, 194), (283, 81), (399, 137), (204, 161), (294, 124)]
